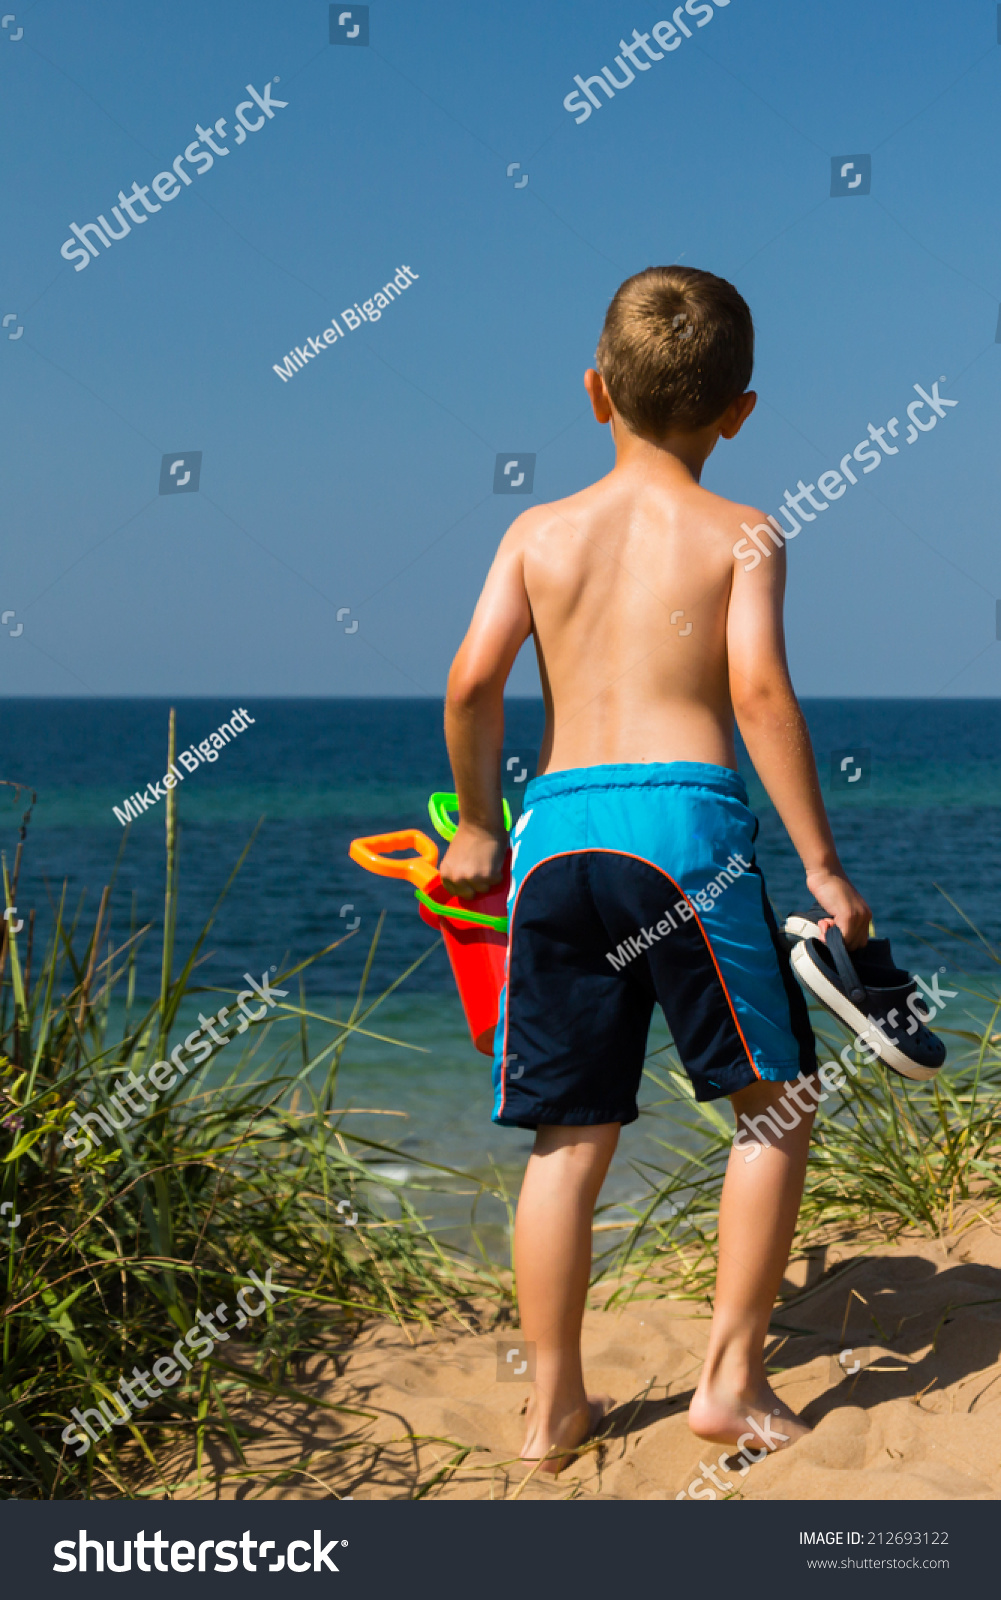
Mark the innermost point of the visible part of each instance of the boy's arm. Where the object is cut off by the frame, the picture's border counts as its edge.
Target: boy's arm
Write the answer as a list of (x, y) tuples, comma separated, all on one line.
[(774, 730), (474, 721)]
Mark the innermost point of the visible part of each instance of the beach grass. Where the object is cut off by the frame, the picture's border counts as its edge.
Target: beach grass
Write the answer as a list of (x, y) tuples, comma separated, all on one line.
[(245, 1166)]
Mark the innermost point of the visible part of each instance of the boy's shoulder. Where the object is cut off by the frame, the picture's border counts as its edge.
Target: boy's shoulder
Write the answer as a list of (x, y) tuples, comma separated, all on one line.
[(580, 512), (570, 513), (728, 516)]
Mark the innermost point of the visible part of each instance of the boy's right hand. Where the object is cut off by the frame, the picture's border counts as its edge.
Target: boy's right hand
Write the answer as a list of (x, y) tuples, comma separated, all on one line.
[(848, 911), (474, 861)]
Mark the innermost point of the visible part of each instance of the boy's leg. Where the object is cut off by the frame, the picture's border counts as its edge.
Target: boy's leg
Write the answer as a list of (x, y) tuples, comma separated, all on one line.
[(757, 1219), (552, 1251)]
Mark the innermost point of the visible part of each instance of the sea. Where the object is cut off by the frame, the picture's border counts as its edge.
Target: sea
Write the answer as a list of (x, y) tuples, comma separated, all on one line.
[(913, 788)]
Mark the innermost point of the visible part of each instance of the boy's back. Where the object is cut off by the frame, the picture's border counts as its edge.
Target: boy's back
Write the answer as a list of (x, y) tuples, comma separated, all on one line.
[(629, 584)]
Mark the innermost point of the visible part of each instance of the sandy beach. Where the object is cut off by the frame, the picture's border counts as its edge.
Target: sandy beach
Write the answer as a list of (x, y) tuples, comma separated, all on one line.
[(919, 1420)]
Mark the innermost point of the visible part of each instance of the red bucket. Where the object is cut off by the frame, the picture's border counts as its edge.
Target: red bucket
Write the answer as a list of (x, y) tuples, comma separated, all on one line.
[(477, 954)]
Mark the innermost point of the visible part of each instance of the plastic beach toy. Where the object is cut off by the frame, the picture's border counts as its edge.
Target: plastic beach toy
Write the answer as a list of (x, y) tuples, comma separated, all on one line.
[(474, 931)]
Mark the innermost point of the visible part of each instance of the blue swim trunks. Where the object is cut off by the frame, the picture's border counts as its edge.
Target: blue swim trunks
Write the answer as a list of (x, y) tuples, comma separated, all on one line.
[(630, 885)]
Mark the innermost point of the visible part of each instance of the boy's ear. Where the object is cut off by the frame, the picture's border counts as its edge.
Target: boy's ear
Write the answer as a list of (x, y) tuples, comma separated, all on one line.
[(594, 383), (737, 413)]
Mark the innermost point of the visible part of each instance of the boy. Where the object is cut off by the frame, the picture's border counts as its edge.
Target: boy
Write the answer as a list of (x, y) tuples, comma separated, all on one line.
[(651, 638)]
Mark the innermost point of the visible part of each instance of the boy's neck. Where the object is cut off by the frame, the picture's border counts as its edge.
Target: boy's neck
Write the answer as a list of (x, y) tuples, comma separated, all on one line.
[(678, 455)]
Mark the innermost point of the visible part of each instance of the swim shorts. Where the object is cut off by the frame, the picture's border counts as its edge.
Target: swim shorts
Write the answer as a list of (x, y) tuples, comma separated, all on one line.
[(633, 884)]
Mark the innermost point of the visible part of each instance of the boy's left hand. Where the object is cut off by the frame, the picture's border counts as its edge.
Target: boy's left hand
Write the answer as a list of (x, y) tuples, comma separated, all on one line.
[(474, 861)]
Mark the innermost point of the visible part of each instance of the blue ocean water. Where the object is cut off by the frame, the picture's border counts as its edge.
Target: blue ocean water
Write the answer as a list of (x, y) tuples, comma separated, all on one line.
[(926, 810), (320, 772)]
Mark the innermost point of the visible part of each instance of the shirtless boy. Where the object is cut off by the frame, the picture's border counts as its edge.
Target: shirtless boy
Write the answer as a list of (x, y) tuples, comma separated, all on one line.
[(651, 639)]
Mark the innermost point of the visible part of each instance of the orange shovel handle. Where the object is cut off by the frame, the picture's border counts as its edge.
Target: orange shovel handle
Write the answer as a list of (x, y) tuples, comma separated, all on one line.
[(420, 870)]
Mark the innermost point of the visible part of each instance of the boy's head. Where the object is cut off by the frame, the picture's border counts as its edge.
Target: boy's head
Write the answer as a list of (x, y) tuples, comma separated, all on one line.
[(676, 350)]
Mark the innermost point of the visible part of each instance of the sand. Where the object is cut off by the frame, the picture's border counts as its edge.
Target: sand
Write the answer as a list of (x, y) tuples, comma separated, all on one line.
[(920, 1420)]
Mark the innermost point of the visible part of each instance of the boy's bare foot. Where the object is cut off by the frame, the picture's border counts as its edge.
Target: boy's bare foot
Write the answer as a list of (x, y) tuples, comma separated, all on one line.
[(756, 1420), (554, 1445)]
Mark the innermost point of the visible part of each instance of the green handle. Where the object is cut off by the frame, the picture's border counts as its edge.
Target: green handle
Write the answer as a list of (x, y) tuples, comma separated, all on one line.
[(441, 803), (458, 914)]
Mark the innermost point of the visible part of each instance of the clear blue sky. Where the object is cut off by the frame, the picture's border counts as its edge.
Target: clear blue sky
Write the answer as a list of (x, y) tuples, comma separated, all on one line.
[(365, 481)]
